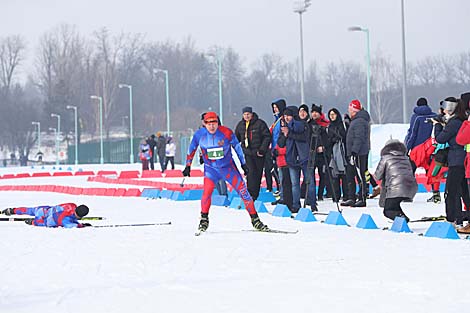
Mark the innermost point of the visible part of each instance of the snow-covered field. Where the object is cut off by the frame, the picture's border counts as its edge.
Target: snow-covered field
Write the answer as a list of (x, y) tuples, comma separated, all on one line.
[(323, 268)]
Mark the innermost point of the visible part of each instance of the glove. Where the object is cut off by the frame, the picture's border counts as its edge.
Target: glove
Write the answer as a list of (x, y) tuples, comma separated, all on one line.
[(187, 171), (29, 221), (201, 159), (245, 169), (8, 211), (351, 160)]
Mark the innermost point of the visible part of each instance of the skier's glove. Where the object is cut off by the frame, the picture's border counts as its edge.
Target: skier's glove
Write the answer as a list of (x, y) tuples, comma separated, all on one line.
[(187, 171), (8, 211), (29, 221), (245, 169)]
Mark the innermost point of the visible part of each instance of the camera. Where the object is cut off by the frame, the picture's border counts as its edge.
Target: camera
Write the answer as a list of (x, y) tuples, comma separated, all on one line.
[(438, 118)]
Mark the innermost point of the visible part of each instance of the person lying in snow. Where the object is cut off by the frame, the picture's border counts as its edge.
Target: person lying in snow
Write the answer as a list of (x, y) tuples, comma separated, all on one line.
[(65, 215)]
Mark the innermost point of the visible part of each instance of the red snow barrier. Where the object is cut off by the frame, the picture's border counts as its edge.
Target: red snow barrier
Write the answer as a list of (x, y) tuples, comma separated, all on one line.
[(197, 173), (20, 175), (103, 173), (7, 176), (120, 192), (84, 173), (41, 174), (129, 174), (133, 192), (62, 174), (173, 173), (151, 174)]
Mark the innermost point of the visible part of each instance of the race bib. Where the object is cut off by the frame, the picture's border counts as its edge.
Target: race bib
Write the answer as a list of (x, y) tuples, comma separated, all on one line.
[(215, 153)]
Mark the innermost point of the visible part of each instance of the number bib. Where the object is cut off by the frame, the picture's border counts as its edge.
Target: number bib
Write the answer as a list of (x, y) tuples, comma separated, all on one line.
[(215, 153)]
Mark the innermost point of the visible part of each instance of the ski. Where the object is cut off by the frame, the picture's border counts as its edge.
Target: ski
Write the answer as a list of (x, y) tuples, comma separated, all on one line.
[(132, 225), (429, 219), (274, 231)]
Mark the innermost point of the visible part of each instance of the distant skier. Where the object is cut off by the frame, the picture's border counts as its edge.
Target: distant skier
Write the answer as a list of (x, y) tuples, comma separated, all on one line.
[(63, 215), (216, 143)]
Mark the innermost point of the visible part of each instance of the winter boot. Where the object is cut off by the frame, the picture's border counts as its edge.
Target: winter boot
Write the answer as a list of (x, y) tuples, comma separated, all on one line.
[(203, 222), (436, 197), (8, 211), (257, 224), (359, 204), (349, 202)]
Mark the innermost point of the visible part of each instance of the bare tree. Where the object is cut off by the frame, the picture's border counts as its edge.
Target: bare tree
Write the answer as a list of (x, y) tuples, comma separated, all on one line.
[(12, 49)]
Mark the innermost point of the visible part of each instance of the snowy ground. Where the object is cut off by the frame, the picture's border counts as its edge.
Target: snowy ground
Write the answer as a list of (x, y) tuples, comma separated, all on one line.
[(323, 268)]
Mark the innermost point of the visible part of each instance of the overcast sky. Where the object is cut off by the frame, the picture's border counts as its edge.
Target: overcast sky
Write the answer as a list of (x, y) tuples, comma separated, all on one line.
[(254, 27)]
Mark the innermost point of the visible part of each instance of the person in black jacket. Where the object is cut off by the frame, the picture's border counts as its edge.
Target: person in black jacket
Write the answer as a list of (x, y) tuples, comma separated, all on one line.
[(254, 137), (161, 148), (337, 139), (152, 143), (455, 183)]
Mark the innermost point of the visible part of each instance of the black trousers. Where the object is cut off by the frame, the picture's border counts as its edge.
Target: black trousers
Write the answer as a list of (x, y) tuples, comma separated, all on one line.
[(286, 196), (456, 189), (152, 160), (392, 208), (340, 185), (268, 167), (255, 172), (170, 159), (357, 171)]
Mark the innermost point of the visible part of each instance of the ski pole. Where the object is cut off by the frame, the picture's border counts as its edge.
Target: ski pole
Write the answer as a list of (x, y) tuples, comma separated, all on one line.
[(131, 225), (182, 182)]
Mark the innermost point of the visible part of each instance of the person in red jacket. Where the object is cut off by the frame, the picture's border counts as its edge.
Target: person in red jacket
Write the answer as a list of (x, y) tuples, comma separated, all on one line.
[(463, 137)]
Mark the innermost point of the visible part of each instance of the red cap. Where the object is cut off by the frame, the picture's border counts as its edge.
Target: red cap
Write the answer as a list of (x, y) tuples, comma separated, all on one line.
[(211, 117), (355, 105)]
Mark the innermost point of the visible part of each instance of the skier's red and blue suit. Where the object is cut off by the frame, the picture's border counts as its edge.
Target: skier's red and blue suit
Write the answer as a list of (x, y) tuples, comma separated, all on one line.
[(220, 166), (52, 216)]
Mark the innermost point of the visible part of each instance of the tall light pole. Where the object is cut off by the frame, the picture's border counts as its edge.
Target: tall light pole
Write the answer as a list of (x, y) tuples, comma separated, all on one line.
[(365, 30), (57, 136), (74, 108), (157, 70), (130, 120), (403, 59), (218, 60), (301, 7), (57, 152), (38, 124), (100, 99)]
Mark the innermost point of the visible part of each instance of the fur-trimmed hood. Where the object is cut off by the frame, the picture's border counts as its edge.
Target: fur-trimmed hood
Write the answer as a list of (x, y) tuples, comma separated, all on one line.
[(393, 147)]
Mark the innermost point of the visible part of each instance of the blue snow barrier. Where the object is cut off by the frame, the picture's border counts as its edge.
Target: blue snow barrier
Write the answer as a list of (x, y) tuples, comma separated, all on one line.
[(260, 207), (400, 225), (443, 230), (305, 215), (366, 222), (69, 168), (150, 193), (193, 194), (335, 218), (220, 200), (266, 197), (166, 194), (281, 210), (80, 170), (237, 203), (177, 196)]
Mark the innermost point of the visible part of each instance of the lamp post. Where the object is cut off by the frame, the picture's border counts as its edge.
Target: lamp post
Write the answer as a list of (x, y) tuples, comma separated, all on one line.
[(38, 124), (218, 60), (366, 31), (57, 136), (403, 54), (100, 99), (167, 97), (74, 108), (130, 120), (301, 7)]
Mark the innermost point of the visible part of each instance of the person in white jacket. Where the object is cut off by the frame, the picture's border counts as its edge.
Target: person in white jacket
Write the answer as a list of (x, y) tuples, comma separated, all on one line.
[(170, 152)]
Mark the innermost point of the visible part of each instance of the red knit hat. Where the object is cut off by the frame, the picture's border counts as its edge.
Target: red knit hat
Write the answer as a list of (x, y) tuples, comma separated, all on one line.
[(355, 105), (210, 117)]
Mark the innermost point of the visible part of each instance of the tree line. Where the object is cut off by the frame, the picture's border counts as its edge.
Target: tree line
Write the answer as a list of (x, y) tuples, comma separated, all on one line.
[(69, 67)]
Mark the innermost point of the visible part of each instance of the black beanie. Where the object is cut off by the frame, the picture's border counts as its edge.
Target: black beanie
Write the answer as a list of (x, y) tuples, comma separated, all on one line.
[(316, 108), (247, 110), (288, 111), (465, 97), (82, 210), (422, 101), (303, 107)]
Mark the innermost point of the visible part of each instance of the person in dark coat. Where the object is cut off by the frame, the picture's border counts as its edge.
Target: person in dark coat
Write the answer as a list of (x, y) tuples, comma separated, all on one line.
[(419, 130), (278, 107), (398, 181), (297, 133), (161, 149), (357, 152), (152, 143), (254, 137), (337, 139), (455, 183)]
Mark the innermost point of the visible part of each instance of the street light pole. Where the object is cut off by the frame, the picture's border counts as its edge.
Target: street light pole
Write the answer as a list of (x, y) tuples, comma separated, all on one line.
[(74, 108), (38, 124), (131, 158), (365, 30), (301, 7), (100, 99), (403, 54), (57, 136), (167, 97)]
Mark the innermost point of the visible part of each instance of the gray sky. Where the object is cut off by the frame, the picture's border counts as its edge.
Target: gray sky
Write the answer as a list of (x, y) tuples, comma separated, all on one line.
[(254, 27)]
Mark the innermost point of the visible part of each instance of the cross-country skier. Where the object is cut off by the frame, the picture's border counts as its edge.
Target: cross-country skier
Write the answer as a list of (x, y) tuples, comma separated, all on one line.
[(216, 143), (66, 215)]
